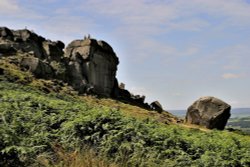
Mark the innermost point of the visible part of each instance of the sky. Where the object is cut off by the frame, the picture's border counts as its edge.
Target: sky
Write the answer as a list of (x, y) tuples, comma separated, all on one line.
[(173, 51)]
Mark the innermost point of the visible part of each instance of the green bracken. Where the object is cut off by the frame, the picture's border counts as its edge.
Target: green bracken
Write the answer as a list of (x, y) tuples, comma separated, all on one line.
[(32, 123)]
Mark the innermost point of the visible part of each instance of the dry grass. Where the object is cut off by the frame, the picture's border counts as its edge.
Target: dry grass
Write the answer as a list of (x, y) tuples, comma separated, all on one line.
[(193, 126), (13, 72), (85, 158), (130, 110)]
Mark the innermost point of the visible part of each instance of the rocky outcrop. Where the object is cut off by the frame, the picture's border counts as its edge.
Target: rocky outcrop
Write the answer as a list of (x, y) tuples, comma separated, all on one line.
[(210, 112), (88, 65), (25, 41), (124, 95), (92, 65)]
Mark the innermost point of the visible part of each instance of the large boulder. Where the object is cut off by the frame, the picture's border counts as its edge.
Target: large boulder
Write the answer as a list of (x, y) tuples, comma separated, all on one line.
[(93, 64), (39, 68), (210, 112), (26, 41)]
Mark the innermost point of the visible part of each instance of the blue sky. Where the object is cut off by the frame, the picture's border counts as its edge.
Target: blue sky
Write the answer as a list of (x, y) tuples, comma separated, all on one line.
[(174, 51)]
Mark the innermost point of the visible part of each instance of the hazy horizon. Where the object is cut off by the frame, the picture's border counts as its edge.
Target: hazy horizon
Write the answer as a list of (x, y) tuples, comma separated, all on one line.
[(235, 112), (173, 51)]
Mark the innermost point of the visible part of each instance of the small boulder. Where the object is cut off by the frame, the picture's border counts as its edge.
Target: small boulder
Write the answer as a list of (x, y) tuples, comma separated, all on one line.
[(210, 112), (156, 106), (124, 94), (138, 99)]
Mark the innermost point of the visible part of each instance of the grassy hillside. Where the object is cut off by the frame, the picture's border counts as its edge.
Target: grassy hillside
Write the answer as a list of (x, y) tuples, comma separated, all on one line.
[(45, 123), (33, 123)]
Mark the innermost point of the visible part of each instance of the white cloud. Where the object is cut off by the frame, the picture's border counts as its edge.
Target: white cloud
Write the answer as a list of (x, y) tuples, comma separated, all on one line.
[(189, 25), (14, 10), (232, 12), (231, 58), (231, 76), (68, 25), (8, 6), (140, 22), (172, 14)]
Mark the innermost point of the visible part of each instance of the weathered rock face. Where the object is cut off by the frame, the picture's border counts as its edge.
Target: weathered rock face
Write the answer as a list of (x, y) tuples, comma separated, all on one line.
[(40, 53), (92, 66), (53, 51), (39, 68), (88, 65), (25, 41), (209, 112)]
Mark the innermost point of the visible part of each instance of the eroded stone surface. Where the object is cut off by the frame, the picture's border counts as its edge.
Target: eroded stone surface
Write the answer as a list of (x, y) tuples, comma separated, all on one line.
[(92, 64), (88, 65), (26, 41), (39, 68), (210, 112)]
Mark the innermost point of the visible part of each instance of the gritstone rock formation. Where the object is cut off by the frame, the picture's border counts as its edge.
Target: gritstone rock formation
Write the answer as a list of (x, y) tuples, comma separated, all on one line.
[(39, 68), (92, 66), (209, 112), (88, 65), (28, 42)]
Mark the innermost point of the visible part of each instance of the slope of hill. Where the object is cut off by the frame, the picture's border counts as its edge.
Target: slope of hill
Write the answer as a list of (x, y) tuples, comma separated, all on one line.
[(48, 118), (40, 117)]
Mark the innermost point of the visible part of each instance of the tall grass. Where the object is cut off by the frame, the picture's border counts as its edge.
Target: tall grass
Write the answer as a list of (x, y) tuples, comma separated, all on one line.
[(87, 157)]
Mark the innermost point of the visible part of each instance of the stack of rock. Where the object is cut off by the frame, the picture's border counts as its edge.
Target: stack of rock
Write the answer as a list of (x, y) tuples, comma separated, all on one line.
[(88, 65), (92, 66)]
